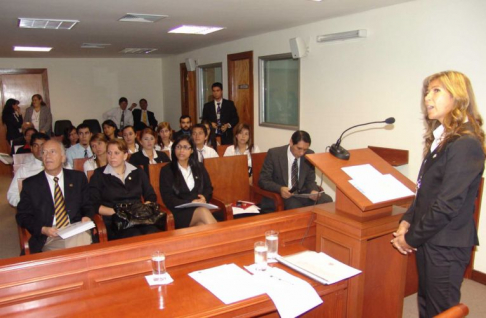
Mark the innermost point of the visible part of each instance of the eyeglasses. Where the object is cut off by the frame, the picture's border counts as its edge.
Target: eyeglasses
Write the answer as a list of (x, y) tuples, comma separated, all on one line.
[(179, 147)]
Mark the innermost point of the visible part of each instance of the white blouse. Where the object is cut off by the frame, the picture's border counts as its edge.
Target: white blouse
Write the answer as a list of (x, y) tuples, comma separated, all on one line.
[(188, 177), (231, 151)]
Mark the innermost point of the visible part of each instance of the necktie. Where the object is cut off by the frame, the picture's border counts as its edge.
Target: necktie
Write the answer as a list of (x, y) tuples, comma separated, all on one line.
[(86, 153), (59, 207), (201, 156), (144, 117), (295, 174), (122, 120), (218, 117)]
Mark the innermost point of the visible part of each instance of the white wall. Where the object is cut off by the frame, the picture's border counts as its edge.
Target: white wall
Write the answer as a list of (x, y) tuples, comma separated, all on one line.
[(351, 82), (85, 88)]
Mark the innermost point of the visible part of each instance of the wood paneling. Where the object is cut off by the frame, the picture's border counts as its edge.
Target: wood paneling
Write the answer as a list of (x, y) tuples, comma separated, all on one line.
[(240, 85), (188, 93)]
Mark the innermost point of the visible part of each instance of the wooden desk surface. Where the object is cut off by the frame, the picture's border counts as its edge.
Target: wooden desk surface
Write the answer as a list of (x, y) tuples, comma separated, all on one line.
[(133, 297)]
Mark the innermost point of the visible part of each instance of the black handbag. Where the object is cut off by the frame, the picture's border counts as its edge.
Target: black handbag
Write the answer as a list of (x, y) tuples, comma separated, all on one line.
[(131, 214)]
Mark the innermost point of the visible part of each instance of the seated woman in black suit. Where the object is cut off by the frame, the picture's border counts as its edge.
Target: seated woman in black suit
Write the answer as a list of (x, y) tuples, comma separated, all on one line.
[(186, 180), (12, 118), (119, 182), (147, 154)]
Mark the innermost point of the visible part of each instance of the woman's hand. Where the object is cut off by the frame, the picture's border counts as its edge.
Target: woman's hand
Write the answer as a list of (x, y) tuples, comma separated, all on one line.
[(104, 210), (399, 241), (200, 199)]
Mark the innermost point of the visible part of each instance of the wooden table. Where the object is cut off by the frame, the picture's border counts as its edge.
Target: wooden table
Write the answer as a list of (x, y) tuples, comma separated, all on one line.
[(107, 280)]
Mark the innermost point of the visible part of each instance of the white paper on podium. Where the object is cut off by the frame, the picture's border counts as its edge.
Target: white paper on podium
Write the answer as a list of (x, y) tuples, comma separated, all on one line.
[(228, 282)]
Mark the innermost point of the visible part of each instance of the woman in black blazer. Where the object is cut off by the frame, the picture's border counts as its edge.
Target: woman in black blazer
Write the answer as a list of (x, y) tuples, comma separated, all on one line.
[(147, 154), (12, 118), (119, 182), (186, 180), (439, 225)]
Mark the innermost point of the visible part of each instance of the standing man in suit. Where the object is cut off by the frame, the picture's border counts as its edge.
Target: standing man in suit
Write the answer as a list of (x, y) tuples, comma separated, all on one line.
[(222, 114), (120, 115), (53, 199), (186, 124), (286, 171), (142, 118)]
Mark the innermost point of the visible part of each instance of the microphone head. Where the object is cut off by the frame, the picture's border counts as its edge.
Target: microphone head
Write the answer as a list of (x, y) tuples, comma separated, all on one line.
[(390, 120)]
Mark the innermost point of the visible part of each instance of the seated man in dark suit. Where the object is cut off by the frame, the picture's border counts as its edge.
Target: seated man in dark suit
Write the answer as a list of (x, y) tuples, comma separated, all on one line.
[(186, 125), (53, 199), (222, 114), (142, 118), (286, 171)]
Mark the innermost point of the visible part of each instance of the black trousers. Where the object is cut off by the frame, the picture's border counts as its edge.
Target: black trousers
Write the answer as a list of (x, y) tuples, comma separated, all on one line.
[(440, 270)]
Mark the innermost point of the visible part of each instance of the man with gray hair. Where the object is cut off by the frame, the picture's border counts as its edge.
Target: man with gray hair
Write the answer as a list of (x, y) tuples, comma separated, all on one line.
[(53, 199)]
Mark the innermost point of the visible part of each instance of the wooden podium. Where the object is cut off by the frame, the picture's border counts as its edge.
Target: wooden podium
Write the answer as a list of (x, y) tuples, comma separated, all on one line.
[(358, 233)]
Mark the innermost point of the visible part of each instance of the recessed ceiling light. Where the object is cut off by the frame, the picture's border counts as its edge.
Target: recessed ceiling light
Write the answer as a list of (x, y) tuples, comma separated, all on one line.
[(32, 48), (194, 29), (53, 24), (94, 45), (135, 50), (139, 17)]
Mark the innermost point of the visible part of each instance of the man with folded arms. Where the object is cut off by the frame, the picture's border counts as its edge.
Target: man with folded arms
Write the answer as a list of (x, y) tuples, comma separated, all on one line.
[(286, 171), (82, 148), (53, 199)]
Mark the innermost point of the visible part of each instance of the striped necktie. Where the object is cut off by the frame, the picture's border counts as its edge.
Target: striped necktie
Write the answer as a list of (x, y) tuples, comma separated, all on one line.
[(62, 218), (295, 174), (144, 117), (86, 153)]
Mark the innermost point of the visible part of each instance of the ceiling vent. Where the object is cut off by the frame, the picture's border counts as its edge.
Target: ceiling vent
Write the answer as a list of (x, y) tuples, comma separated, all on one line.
[(137, 50), (138, 17), (51, 24), (94, 45)]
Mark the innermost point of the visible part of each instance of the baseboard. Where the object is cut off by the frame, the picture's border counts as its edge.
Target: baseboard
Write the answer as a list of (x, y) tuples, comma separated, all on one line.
[(479, 277)]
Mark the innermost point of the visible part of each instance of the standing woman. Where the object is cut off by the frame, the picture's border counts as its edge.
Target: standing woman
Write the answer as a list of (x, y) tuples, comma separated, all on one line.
[(12, 118), (119, 182), (186, 180), (148, 155), (98, 143), (242, 145), (109, 129), (130, 137), (39, 115), (439, 225), (164, 132)]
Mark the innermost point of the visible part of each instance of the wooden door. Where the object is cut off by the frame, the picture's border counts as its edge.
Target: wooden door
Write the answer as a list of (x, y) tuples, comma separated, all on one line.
[(240, 85), (188, 93)]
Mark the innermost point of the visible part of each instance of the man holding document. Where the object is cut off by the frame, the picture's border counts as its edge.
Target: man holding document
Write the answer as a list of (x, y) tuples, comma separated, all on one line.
[(54, 199), (286, 171)]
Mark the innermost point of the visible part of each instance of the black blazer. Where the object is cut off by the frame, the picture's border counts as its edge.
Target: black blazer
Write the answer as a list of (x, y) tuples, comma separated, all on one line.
[(138, 159), (137, 119), (275, 174), (13, 124), (36, 206), (442, 213), (229, 115)]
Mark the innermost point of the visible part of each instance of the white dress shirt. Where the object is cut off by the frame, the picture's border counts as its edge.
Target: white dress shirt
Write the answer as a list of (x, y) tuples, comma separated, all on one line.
[(136, 149), (438, 134), (188, 177), (232, 151), (115, 115), (75, 152), (205, 153), (152, 162), (89, 165), (168, 148), (128, 169), (27, 169), (291, 158)]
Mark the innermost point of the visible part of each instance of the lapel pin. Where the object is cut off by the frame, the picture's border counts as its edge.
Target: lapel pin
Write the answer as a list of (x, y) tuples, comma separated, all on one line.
[(71, 185), (129, 178), (196, 177), (434, 156)]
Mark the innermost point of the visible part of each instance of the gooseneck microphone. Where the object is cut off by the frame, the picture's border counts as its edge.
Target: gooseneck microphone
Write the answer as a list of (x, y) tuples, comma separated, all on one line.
[(339, 152)]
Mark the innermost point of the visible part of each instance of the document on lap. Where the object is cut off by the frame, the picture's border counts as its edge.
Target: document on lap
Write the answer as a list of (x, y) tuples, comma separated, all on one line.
[(75, 228), (305, 195)]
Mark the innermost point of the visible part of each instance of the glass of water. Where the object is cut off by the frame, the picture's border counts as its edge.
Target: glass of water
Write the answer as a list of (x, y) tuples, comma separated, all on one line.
[(260, 256), (158, 266), (271, 240)]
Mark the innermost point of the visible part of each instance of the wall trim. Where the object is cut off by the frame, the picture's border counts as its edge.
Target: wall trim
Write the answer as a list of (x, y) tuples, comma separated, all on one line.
[(478, 277)]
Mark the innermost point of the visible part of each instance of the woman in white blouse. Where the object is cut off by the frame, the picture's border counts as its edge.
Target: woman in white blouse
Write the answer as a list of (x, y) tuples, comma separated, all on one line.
[(39, 114), (164, 132), (98, 147), (243, 145), (130, 137)]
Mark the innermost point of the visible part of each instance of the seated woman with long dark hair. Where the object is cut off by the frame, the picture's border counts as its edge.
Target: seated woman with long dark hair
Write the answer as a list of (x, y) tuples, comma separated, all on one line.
[(119, 182), (110, 129), (130, 137), (70, 137), (186, 180)]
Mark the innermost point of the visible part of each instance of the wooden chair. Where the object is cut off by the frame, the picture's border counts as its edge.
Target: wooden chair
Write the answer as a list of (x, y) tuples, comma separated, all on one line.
[(78, 164), (24, 235), (222, 149), (257, 160), (458, 311), (154, 176)]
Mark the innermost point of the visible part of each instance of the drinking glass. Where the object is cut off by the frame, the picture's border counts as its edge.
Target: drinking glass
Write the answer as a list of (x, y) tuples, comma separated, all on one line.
[(158, 266), (260, 256), (271, 240)]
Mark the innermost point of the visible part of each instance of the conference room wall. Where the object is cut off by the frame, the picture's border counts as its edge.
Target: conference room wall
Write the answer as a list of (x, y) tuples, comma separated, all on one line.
[(85, 88), (351, 82)]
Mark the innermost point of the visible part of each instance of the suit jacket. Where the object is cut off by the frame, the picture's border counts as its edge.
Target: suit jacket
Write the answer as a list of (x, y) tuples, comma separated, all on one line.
[(275, 174), (45, 118), (137, 119), (13, 125), (229, 115), (179, 133), (36, 206), (442, 212), (138, 159)]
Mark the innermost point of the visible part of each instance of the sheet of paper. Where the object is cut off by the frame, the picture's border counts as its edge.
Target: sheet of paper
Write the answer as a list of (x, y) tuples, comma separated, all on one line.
[(250, 209), (197, 205), (228, 282), (319, 265), (305, 195), (291, 295), (75, 228), (383, 188), (152, 282), (365, 171)]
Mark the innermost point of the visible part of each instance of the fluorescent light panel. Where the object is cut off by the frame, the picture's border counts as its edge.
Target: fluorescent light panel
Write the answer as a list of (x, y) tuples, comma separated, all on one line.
[(342, 36), (94, 45), (194, 29), (32, 48), (140, 17), (135, 50), (52, 24)]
